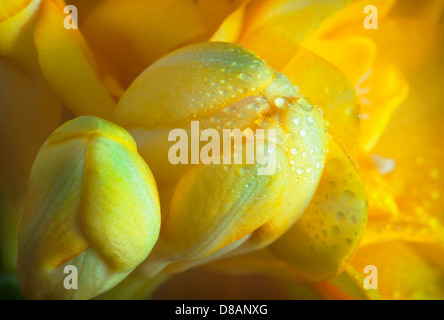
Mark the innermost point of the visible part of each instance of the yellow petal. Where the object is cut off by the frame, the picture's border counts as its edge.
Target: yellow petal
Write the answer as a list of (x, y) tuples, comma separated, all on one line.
[(382, 204), (417, 179), (430, 10), (29, 111), (133, 36), (321, 242), (67, 64), (169, 91), (404, 271), (230, 30), (331, 91), (352, 55), (92, 203), (385, 89), (347, 286), (16, 22), (212, 13), (274, 29)]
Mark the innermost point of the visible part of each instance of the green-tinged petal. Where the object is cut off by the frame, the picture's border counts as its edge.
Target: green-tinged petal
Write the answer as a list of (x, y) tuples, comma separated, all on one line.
[(91, 203), (190, 83), (214, 206), (322, 241)]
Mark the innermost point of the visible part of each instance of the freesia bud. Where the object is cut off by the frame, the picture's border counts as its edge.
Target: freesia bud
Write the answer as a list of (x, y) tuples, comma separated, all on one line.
[(215, 209), (92, 204)]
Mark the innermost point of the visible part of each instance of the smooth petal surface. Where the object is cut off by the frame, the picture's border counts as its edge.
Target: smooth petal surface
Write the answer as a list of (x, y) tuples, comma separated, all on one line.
[(29, 111), (274, 29), (380, 94), (399, 265), (16, 40), (104, 222), (146, 29), (68, 65), (352, 55)]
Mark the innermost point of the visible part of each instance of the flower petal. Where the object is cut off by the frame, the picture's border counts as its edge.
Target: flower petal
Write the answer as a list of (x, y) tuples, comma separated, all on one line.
[(322, 241), (145, 30), (170, 93), (352, 55), (387, 89), (404, 271), (68, 66), (29, 112), (328, 88), (73, 215), (274, 29)]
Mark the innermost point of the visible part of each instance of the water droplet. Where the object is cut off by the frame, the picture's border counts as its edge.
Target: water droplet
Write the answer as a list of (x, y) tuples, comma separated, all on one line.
[(280, 102), (244, 170), (300, 171), (231, 109), (340, 217), (335, 230), (305, 104), (303, 133), (245, 77)]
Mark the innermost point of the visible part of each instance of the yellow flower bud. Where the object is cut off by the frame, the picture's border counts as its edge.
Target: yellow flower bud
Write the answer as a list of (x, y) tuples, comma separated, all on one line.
[(217, 209), (92, 203)]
